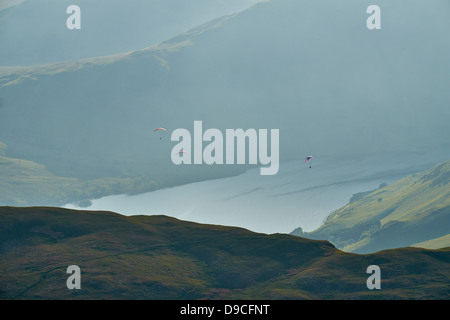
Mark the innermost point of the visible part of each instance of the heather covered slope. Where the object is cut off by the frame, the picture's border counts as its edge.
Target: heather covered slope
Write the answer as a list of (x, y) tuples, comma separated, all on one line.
[(157, 257)]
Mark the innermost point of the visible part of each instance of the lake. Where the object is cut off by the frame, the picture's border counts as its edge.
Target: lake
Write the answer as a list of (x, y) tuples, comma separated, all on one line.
[(298, 196)]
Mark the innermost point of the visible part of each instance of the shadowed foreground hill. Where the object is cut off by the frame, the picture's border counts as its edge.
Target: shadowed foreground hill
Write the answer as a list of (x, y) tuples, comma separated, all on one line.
[(158, 257)]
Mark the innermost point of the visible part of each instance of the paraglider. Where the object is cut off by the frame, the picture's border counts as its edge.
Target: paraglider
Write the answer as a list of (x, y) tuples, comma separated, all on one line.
[(157, 129), (309, 158)]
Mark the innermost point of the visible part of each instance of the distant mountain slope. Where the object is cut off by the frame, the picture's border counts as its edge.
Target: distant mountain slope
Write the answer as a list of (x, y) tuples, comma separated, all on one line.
[(437, 243), (4, 4), (26, 183), (412, 210), (35, 32), (157, 257), (309, 68)]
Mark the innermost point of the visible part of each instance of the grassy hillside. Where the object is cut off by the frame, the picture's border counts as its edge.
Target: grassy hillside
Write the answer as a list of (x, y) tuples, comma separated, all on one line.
[(412, 210), (437, 243), (158, 257), (25, 183)]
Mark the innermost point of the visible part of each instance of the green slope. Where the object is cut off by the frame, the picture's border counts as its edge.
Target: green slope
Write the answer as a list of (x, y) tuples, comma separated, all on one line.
[(158, 257), (437, 243), (411, 210), (25, 183)]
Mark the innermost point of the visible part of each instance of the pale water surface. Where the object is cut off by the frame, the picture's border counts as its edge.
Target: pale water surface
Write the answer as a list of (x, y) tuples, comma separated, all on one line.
[(298, 196)]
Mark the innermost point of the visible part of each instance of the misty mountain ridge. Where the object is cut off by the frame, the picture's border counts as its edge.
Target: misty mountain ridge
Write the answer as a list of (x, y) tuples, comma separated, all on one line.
[(310, 69), (35, 32)]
